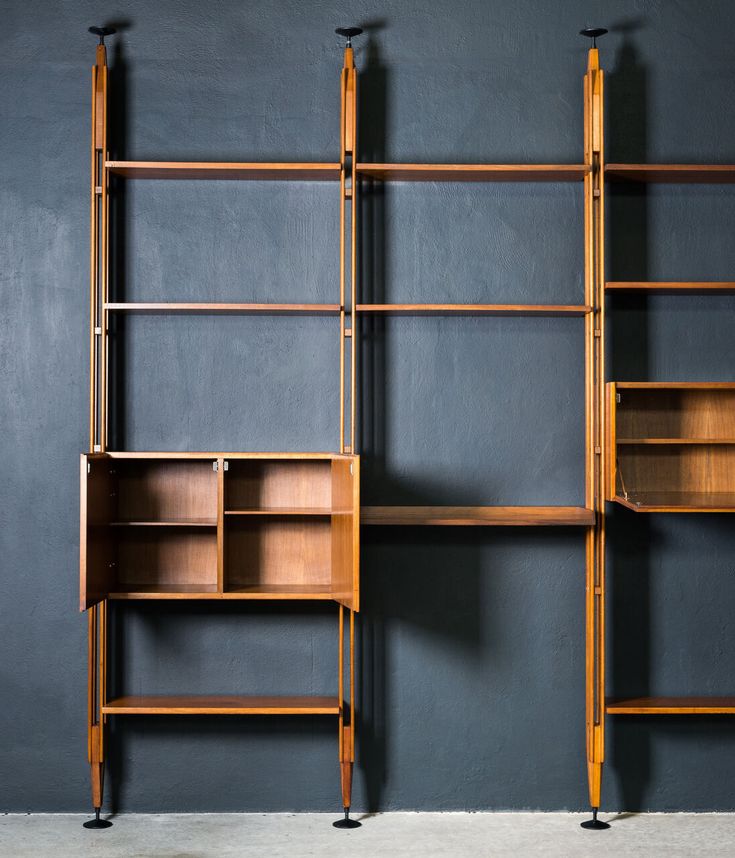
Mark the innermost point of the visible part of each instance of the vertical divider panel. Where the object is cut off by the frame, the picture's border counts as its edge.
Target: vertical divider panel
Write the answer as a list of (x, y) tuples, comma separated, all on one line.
[(220, 525)]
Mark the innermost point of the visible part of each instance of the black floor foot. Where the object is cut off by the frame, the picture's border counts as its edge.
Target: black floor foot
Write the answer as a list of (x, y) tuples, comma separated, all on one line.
[(347, 822), (595, 824), (97, 822)]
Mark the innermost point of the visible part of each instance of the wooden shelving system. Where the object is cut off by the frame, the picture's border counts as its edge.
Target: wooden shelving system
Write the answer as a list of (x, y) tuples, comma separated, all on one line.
[(671, 445), (214, 525)]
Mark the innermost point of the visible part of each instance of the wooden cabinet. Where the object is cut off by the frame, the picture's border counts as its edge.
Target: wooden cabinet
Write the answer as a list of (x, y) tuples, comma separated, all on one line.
[(672, 446), (275, 527)]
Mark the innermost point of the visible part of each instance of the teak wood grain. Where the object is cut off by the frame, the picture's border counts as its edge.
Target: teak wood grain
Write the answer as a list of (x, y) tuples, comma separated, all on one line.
[(684, 173), (221, 705), (163, 308), (476, 309), (672, 287)]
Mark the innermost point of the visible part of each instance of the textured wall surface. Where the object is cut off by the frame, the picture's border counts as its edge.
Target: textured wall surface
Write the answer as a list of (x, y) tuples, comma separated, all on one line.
[(471, 689)]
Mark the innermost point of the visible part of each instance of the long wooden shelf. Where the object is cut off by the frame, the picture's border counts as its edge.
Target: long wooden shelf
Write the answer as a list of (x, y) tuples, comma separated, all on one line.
[(193, 522), (678, 501), (672, 706), (500, 516), (680, 173), (214, 309), (474, 172), (223, 170), (221, 705), (675, 441), (259, 593), (476, 309), (672, 287)]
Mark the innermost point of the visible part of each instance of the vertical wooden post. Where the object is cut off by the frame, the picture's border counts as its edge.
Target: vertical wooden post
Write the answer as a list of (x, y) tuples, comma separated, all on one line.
[(594, 193)]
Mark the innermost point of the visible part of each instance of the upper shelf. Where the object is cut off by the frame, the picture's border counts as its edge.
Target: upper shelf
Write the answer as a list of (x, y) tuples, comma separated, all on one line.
[(223, 170), (476, 309), (679, 173), (671, 287), (474, 172), (214, 309), (499, 516)]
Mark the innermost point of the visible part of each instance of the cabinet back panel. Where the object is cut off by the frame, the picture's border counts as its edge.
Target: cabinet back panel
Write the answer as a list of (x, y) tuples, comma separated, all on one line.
[(265, 484), (166, 490), (677, 468), (273, 551), (166, 559), (676, 414)]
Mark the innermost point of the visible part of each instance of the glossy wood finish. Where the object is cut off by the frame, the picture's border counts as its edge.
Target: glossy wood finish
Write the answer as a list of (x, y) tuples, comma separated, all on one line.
[(677, 173), (476, 309), (272, 484), (672, 445), (214, 309), (672, 706), (261, 593), (345, 548), (499, 516), (473, 172), (221, 705), (671, 287), (223, 170)]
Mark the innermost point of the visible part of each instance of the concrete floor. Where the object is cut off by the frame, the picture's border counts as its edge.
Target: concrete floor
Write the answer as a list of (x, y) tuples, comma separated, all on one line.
[(454, 835)]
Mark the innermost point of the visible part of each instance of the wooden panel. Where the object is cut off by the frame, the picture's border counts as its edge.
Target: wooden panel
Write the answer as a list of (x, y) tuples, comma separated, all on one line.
[(220, 170), (167, 491), (688, 501), (167, 558), (221, 705), (684, 173), (680, 468), (216, 309), (477, 515), (346, 532), (672, 287), (685, 413), (473, 172), (190, 522), (270, 592), (163, 454), (96, 572), (274, 551), (276, 511), (672, 706), (274, 484), (476, 309)]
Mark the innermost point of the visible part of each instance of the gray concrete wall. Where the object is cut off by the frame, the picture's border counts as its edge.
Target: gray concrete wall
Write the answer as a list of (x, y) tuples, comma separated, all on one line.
[(471, 685)]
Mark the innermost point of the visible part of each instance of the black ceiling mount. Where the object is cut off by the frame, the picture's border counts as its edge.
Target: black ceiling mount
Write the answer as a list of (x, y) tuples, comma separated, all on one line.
[(593, 33), (102, 32), (348, 33)]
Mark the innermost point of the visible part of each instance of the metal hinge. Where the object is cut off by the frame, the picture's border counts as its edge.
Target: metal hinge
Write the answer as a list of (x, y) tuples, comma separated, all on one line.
[(617, 398), (225, 466)]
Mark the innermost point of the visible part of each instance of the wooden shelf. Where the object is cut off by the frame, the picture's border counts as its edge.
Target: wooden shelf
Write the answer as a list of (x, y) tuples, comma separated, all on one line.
[(215, 309), (680, 173), (672, 287), (297, 511), (672, 706), (473, 172), (500, 516), (223, 170), (476, 309), (198, 522), (221, 705), (678, 501), (262, 593), (675, 441)]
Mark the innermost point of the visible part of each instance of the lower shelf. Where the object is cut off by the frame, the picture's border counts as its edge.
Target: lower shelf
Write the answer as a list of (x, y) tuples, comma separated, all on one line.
[(678, 501), (264, 592), (499, 516), (672, 706), (221, 705)]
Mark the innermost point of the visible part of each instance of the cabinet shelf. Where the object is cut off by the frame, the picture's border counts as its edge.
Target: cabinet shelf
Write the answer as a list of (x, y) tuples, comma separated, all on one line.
[(276, 511), (198, 522), (675, 441), (474, 172), (475, 309), (672, 706), (263, 593), (216, 309), (499, 516), (672, 287), (679, 173), (223, 170), (221, 705)]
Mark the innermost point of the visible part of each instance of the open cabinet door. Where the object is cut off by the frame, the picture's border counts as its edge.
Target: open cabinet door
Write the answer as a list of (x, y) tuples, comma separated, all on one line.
[(95, 542), (346, 531)]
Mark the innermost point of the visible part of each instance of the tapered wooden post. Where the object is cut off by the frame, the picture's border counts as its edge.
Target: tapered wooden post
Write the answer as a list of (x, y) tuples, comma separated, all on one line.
[(594, 193)]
